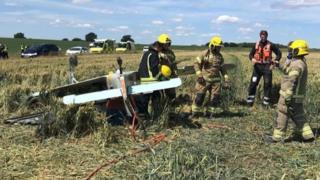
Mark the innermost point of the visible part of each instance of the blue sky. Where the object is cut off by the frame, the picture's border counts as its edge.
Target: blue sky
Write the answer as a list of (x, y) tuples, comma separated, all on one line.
[(186, 21)]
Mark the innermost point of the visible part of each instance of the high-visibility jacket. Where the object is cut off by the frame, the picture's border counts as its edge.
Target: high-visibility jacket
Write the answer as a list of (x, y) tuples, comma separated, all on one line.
[(263, 53), (149, 68)]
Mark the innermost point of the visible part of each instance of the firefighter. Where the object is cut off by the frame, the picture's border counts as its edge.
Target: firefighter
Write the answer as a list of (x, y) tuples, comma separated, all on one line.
[(22, 48), (1, 50), (210, 72), (167, 57), (5, 52), (150, 70), (292, 93), (73, 63), (261, 58)]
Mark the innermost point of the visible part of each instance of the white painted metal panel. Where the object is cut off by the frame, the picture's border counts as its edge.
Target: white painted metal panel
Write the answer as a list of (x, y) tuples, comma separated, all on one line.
[(113, 93)]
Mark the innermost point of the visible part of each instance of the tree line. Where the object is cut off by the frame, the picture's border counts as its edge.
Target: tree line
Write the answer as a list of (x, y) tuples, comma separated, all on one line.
[(91, 36), (247, 44)]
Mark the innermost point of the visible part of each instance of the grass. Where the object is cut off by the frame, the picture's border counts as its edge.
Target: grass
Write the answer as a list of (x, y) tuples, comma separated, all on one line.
[(228, 146)]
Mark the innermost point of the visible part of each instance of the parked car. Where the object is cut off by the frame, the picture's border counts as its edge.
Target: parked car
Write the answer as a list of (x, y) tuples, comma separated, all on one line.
[(43, 49), (77, 50), (145, 48)]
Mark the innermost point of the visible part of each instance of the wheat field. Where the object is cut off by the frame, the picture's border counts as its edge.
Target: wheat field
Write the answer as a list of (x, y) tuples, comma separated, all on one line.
[(227, 146)]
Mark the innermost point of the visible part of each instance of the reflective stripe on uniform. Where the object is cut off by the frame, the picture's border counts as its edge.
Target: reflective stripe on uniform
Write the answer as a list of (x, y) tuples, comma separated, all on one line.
[(211, 109), (265, 102), (306, 129), (250, 99), (148, 65), (307, 132), (149, 79), (294, 73), (277, 135), (195, 108), (217, 79)]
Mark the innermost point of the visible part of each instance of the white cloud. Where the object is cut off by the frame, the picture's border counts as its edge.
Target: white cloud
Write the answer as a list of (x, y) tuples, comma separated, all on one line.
[(80, 1), (56, 21), (185, 34), (84, 25), (179, 27), (226, 19), (113, 29), (118, 28), (70, 23), (157, 22), (177, 19), (259, 25), (123, 27), (10, 4), (104, 11), (146, 32), (245, 30), (295, 4), (209, 34), (184, 28), (184, 31), (302, 2)]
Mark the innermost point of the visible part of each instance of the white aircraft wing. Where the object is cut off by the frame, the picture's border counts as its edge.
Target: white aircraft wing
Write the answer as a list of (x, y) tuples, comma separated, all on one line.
[(91, 97), (114, 93)]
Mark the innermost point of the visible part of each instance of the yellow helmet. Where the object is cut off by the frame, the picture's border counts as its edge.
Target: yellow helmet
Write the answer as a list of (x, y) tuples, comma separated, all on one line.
[(299, 47), (215, 41), (164, 39), (166, 71)]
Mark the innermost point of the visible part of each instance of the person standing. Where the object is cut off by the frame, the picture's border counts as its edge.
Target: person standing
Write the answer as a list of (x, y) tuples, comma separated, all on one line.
[(22, 48), (167, 57), (292, 94), (210, 72), (150, 70), (5, 52), (261, 58)]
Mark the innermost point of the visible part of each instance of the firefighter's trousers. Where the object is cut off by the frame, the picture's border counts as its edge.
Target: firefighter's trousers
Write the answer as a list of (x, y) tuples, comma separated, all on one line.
[(294, 111), (213, 89), (147, 109)]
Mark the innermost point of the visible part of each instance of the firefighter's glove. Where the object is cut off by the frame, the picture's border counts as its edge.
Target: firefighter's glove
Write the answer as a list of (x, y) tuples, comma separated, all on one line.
[(162, 55), (227, 83)]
